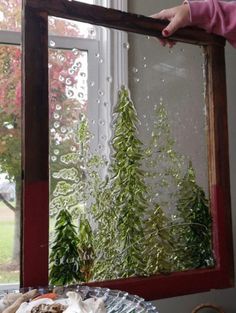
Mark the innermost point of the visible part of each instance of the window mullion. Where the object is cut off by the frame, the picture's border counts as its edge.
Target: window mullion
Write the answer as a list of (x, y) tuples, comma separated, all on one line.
[(10, 38)]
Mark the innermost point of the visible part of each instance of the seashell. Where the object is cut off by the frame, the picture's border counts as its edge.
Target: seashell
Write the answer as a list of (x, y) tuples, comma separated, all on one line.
[(20, 300), (26, 307), (8, 300), (91, 305)]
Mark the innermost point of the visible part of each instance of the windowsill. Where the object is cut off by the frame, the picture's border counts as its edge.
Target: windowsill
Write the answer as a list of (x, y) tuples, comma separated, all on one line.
[(8, 287)]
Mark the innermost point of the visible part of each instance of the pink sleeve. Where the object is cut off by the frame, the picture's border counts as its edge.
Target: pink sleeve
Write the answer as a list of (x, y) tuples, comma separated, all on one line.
[(214, 16)]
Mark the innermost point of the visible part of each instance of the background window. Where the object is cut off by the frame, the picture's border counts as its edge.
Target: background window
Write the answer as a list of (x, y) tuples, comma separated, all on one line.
[(76, 53), (10, 158)]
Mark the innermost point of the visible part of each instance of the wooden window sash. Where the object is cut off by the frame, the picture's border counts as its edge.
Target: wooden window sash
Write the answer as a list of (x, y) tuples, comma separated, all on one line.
[(35, 175)]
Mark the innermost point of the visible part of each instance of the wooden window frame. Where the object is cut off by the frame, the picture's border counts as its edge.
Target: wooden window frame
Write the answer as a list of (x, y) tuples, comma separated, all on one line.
[(35, 169)]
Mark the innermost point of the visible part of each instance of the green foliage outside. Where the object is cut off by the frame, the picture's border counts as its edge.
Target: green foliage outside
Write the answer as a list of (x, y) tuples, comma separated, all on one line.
[(9, 273), (6, 241)]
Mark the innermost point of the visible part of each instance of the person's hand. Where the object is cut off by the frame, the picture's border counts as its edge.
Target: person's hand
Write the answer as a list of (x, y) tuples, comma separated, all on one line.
[(178, 16)]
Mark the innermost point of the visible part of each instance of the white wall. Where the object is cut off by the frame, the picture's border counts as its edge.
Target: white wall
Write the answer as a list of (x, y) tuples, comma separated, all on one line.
[(225, 298)]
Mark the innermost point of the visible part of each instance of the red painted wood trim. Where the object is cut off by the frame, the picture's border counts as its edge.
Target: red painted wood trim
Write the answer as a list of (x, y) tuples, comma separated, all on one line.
[(222, 234), (218, 159), (35, 235), (175, 284)]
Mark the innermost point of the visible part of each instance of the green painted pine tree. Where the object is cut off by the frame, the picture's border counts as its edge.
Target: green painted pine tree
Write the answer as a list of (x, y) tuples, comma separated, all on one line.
[(159, 247), (85, 248), (193, 226), (128, 188), (105, 245), (65, 263), (164, 165)]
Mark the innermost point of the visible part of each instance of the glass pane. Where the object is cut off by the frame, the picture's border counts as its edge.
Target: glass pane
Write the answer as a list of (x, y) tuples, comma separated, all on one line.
[(10, 158), (10, 19), (68, 70), (62, 27), (10, 15), (129, 182)]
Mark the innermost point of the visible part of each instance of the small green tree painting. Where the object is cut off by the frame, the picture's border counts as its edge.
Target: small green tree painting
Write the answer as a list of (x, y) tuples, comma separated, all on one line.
[(72, 187), (85, 248), (193, 225), (159, 246), (64, 258)]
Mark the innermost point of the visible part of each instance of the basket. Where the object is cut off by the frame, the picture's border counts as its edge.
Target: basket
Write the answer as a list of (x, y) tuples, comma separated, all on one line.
[(208, 305)]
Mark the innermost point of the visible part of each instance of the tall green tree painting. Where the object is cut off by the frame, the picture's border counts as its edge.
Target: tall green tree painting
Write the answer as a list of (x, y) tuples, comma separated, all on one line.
[(164, 165), (122, 229), (128, 186)]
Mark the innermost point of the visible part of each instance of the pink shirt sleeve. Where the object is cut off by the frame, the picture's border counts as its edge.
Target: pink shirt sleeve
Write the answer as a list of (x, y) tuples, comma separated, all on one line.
[(214, 16)]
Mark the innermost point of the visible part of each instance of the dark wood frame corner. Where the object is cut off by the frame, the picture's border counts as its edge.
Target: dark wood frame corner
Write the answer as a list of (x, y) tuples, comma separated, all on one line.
[(34, 268)]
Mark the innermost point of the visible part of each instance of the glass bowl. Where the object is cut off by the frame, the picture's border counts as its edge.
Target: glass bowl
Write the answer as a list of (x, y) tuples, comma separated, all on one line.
[(115, 301)]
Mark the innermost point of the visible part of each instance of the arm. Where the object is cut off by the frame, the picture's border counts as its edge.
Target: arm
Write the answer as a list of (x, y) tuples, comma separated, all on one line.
[(218, 17), (214, 16)]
